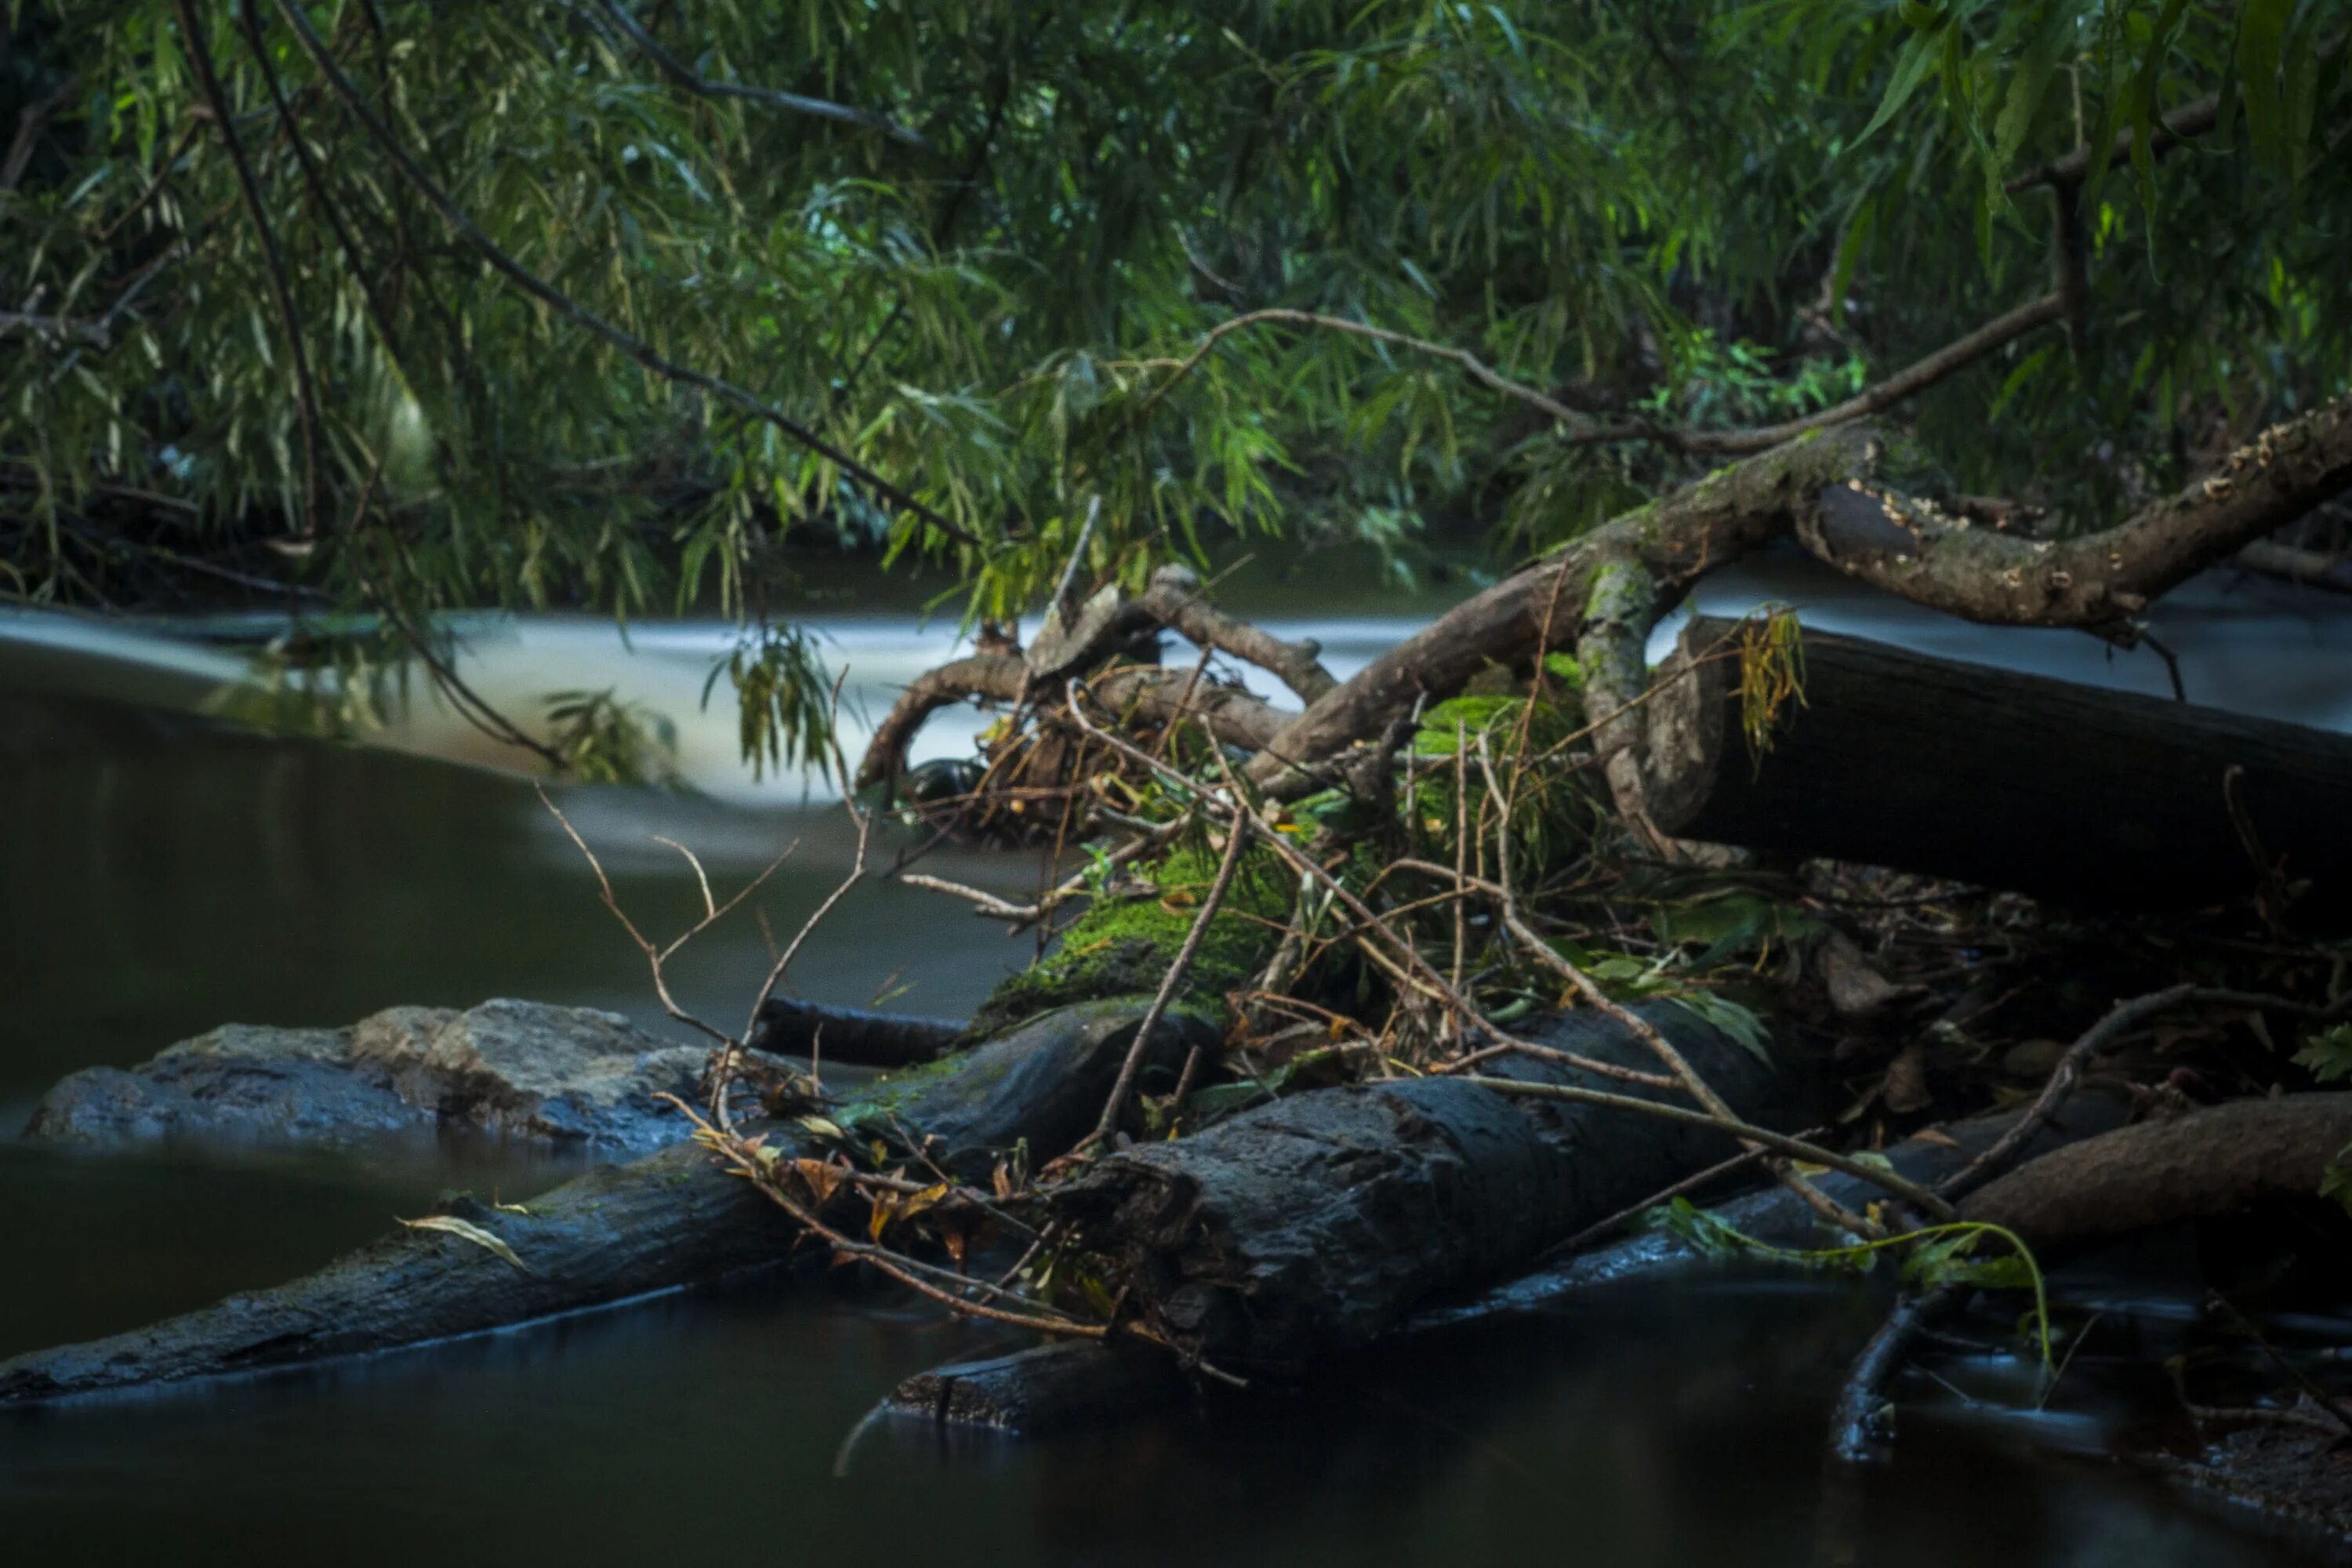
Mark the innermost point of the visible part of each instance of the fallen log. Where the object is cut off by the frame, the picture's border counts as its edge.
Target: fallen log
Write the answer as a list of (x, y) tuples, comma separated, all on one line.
[(2080, 797), (2207, 1163), (852, 1036), (1074, 1383), (669, 1220), (1310, 1227)]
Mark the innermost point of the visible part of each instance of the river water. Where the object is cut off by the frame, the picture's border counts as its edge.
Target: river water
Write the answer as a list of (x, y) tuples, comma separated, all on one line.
[(160, 873)]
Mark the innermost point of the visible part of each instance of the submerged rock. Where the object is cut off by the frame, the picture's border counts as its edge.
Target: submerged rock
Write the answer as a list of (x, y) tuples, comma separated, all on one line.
[(569, 1077)]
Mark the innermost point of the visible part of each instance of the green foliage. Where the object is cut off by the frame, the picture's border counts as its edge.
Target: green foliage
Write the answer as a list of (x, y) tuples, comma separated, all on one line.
[(1124, 945), (1718, 211), (1933, 1256), (2336, 1181), (2327, 1054), (604, 740), (781, 697), (1523, 736)]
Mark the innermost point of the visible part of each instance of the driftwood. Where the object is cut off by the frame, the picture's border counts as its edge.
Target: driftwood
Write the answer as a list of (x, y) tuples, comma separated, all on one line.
[(2080, 797), (1310, 1227), (669, 1220), (1069, 1384)]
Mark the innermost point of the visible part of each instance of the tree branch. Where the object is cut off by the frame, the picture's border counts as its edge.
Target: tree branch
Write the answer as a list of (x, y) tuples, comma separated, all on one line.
[(30, 125), (1675, 539), (685, 76), (1911, 547), (1909, 382), (539, 288), (2071, 169)]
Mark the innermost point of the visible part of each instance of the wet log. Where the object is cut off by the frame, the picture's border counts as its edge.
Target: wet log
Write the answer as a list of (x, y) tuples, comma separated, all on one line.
[(1056, 1387), (2204, 1164), (1310, 1227), (670, 1220), (1076, 1384), (852, 1036), (2099, 799)]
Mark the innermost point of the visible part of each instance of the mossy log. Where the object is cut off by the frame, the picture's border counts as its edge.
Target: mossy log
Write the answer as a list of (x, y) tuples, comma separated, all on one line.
[(1311, 1225), (1125, 945), (2092, 798), (666, 1221)]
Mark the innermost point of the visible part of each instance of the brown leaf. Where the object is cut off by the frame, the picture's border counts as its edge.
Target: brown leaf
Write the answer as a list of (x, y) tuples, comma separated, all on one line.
[(821, 1177)]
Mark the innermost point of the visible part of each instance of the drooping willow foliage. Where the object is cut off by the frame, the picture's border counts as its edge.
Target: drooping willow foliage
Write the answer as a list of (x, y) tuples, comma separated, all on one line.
[(956, 263)]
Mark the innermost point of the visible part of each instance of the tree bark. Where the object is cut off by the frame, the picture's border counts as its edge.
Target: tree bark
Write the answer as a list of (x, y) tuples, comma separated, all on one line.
[(2207, 1164), (852, 1036), (1072, 1383), (1932, 558), (2092, 798), (1310, 1227), (1677, 539), (672, 1219)]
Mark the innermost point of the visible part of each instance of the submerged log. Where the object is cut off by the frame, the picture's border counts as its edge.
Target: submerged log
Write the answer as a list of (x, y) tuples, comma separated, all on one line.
[(1075, 1383), (2104, 799), (1306, 1227), (669, 1220)]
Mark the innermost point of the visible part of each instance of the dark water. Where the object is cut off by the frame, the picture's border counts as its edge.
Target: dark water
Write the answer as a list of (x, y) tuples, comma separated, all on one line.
[(157, 878)]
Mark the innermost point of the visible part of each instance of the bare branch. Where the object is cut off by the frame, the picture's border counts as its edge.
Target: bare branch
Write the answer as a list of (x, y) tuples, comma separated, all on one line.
[(1910, 548)]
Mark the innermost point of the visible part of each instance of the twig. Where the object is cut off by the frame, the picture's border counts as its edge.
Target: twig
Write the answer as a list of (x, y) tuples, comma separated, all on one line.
[(910, 1272), (1863, 1398), (725, 1069), (29, 125), (1690, 1183), (657, 954), (1408, 958), (2062, 1078), (1780, 1142), (2301, 1379)]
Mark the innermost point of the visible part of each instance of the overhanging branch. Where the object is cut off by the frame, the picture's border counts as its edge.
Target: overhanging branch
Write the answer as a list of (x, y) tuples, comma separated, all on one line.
[(685, 76), (547, 294)]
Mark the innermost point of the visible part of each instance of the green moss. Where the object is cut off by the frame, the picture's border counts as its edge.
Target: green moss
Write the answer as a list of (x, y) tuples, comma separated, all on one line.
[(889, 1090), (1124, 947)]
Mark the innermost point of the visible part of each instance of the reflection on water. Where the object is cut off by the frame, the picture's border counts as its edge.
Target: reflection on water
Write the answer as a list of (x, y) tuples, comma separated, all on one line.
[(158, 877), (1648, 1429)]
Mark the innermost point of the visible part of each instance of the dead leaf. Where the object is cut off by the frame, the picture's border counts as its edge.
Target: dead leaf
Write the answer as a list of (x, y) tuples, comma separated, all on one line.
[(465, 1230), (822, 1176)]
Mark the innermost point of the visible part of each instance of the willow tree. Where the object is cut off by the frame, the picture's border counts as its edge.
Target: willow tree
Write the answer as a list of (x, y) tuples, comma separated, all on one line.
[(376, 304)]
